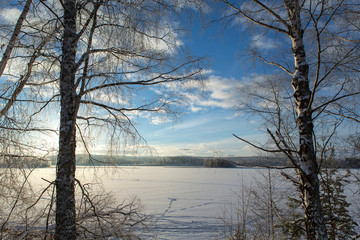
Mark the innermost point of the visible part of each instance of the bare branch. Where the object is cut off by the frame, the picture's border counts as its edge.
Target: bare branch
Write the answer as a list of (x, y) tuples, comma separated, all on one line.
[(257, 147), (158, 79), (91, 17), (238, 10), (14, 36), (52, 11), (335, 99), (287, 152), (277, 65), (344, 116), (15, 202)]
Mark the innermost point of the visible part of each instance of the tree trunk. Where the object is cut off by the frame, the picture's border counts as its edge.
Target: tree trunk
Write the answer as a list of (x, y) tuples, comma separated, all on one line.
[(307, 165), (6, 56), (65, 173), (14, 36)]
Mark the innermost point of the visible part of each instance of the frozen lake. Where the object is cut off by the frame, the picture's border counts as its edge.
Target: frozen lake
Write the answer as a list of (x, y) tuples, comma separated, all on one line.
[(186, 203)]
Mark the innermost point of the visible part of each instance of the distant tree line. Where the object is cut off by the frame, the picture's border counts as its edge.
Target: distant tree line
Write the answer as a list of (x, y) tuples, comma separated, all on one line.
[(192, 161)]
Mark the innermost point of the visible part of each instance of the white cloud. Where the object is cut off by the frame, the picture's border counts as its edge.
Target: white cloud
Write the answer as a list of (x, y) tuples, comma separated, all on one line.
[(262, 42), (158, 120), (234, 115), (228, 93), (190, 124), (162, 39), (222, 92), (10, 15), (195, 109), (195, 5)]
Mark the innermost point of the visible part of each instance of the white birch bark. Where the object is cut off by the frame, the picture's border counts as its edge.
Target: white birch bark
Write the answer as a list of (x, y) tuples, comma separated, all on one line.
[(65, 174), (307, 165)]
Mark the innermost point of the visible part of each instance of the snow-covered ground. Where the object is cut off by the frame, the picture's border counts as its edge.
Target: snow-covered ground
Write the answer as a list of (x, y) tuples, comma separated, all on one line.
[(186, 203)]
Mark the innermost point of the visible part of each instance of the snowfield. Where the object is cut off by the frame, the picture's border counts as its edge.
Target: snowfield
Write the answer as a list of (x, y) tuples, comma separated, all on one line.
[(185, 203)]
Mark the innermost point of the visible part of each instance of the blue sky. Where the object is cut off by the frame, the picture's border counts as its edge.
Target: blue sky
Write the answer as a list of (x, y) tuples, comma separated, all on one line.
[(206, 128), (206, 125)]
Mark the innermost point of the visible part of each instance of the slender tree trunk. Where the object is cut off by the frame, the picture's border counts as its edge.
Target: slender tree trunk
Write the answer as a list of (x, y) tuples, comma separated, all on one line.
[(22, 81), (6, 56), (14, 36), (65, 173), (307, 164)]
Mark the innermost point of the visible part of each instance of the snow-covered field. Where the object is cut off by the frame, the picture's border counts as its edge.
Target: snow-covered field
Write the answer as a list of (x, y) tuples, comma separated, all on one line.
[(186, 203)]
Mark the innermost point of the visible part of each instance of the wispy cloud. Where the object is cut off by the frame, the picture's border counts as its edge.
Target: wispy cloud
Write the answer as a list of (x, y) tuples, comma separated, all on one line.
[(158, 120), (194, 123), (225, 93), (223, 147), (262, 42), (221, 91)]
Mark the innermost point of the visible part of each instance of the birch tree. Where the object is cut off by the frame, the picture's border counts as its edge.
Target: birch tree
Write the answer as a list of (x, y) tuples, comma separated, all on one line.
[(65, 169), (101, 63), (296, 24), (25, 42), (110, 47), (6, 55), (23, 45)]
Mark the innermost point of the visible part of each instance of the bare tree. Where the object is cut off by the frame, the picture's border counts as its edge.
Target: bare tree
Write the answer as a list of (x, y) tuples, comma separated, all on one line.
[(260, 208), (115, 58), (65, 169), (327, 63), (6, 55), (23, 45), (134, 53)]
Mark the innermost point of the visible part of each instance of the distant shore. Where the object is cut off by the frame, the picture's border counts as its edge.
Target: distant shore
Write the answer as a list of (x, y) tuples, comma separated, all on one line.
[(180, 161), (194, 161)]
